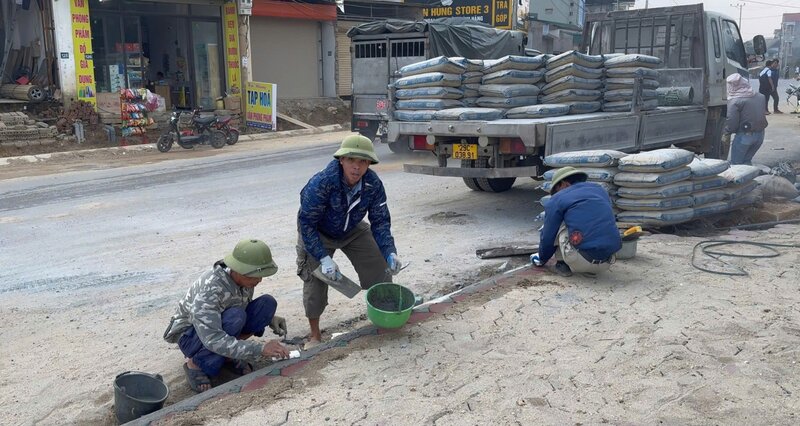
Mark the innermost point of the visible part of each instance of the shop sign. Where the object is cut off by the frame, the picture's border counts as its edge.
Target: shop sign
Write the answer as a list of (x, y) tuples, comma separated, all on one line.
[(82, 50), (496, 13), (261, 108), (232, 49)]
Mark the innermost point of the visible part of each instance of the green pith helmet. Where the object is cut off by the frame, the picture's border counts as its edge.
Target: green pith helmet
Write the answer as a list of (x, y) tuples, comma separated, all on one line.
[(564, 172), (251, 258), (357, 146)]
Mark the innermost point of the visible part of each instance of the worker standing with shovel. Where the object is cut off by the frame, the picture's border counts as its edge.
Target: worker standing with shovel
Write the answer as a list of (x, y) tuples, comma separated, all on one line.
[(333, 205)]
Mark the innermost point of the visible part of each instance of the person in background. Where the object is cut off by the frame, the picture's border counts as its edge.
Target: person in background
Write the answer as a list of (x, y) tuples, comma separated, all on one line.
[(774, 94), (746, 118), (765, 84)]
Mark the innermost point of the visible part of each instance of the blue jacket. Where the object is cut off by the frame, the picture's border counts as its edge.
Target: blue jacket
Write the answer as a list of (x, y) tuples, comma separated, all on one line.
[(324, 209), (586, 210)]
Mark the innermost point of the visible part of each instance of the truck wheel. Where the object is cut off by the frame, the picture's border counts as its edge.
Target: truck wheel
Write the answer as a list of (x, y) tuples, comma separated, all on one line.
[(495, 184), (471, 183), (715, 146)]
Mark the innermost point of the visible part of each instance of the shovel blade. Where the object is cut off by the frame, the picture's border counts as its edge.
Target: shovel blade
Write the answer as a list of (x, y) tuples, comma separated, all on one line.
[(343, 285)]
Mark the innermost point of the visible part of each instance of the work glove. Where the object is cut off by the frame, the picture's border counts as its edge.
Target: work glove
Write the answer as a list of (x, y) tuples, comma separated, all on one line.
[(329, 268), (278, 326), (394, 263), (536, 260)]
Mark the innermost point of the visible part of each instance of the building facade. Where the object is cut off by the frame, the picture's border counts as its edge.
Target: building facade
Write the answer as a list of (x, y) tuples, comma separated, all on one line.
[(789, 52)]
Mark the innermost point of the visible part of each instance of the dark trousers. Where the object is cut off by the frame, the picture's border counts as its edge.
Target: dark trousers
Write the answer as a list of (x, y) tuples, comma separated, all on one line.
[(774, 101), (766, 100), (253, 319)]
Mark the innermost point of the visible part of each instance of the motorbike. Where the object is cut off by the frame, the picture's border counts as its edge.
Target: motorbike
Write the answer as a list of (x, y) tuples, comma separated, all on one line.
[(794, 91), (203, 131), (231, 133)]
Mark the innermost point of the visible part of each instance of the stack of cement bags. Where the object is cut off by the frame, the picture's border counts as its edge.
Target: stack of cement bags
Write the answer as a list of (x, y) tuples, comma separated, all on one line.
[(510, 82), (621, 73), (428, 86), (709, 188), (574, 79), (471, 80), (599, 165), (740, 185)]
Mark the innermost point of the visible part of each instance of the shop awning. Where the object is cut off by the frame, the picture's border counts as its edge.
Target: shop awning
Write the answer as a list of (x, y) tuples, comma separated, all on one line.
[(282, 9)]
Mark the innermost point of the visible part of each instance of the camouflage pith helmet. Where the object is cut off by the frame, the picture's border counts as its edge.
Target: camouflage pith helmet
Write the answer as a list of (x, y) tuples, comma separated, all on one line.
[(564, 172), (357, 146), (251, 258)]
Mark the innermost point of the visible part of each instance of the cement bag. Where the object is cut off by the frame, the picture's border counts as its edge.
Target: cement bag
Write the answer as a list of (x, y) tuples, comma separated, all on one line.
[(430, 93), (675, 96), (572, 82), (607, 56), (627, 95), (610, 188), (711, 196), (740, 173), (575, 57), (776, 187), (538, 111), (649, 179), (627, 83), (508, 90), (472, 77), (663, 217), (546, 199), (656, 161), (710, 182), (583, 107), (654, 203), (746, 200), (633, 60), (597, 174), (431, 79), (463, 114), (702, 168), (588, 158), (711, 208), (470, 64), (572, 95), (672, 190), (632, 72), (512, 77), (625, 106), (438, 64), (435, 104), (470, 93), (573, 70), (512, 62), (409, 115), (517, 101), (738, 190), (470, 102)]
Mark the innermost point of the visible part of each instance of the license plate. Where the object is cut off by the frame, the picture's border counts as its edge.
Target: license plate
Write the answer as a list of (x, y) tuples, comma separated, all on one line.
[(463, 151)]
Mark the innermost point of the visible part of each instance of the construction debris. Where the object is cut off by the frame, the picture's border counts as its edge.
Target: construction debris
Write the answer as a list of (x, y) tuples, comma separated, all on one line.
[(80, 110), (18, 126)]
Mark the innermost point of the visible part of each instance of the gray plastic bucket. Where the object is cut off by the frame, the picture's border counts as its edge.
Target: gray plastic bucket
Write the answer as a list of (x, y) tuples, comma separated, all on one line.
[(137, 394)]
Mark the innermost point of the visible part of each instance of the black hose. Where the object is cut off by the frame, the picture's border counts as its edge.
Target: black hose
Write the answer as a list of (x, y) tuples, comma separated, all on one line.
[(717, 255)]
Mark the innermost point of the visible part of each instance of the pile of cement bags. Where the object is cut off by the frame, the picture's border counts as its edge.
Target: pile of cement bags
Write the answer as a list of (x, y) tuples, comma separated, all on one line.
[(428, 86), (599, 165), (574, 79), (621, 72)]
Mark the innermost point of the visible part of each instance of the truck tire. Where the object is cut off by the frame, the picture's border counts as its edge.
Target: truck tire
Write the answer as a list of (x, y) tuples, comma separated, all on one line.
[(471, 183), (494, 184), (714, 146)]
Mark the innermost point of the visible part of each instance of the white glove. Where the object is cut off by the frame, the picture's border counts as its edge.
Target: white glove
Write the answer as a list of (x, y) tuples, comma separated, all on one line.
[(278, 326), (329, 268), (536, 260), (394, 263)]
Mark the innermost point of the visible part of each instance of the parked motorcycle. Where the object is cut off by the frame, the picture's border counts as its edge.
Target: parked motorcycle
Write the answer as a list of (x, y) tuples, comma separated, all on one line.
[(231, 133), (203, 131), (793, 91)]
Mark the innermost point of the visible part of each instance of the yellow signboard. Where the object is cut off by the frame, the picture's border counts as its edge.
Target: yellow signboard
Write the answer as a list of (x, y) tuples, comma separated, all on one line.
[(82, 50), (232, 49), (261, 107)]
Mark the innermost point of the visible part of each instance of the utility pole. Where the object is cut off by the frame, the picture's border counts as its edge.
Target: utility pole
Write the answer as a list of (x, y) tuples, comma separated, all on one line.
[(740, 6)]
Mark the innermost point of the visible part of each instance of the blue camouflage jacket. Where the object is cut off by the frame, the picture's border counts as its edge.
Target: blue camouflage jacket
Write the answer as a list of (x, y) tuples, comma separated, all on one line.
[(324, 209)]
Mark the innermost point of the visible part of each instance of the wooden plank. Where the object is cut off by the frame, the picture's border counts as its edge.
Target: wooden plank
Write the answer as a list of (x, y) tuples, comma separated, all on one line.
[(493, 252), (295, 121)]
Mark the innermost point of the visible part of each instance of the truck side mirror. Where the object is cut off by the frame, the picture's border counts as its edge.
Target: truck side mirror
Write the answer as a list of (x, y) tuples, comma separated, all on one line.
[(759, 45)]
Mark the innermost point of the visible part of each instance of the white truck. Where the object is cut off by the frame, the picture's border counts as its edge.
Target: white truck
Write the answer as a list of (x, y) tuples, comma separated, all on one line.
[(698, 49)]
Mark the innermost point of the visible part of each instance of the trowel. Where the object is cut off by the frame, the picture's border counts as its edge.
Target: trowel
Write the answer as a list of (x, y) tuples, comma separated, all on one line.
[(342, 284)]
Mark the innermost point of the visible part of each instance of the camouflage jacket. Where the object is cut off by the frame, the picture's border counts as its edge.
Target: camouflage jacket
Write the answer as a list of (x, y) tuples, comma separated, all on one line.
[(202, 307), (324, 208)]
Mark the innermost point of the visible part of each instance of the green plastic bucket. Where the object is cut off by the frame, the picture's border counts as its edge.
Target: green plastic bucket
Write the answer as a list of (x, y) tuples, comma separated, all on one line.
[(389, 305)]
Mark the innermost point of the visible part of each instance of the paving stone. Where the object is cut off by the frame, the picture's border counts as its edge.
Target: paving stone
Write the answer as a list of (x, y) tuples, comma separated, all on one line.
[(289, 370), (257, 383), (438, 308)]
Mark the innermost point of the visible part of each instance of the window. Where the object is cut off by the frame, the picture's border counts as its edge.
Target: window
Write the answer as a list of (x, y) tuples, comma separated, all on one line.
[(734, 49), (715, 37), (371, 50), (405, 49)]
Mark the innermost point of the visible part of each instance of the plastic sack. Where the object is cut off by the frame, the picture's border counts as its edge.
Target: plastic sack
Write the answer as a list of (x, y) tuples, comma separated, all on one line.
[(746, 200), (512, 62), (656, 160), (707, 167), (430, 93), (572, 95), (431, 79), (627, 83), (517, 101), (470, 102), (610, 188), (538, 111), (512, 77), (710, 196), (632, 72), (598, 174), (776, 187), (587, 158), (711, 208), (633, 60), (625, 106), (508, 90), (740, 173), (646, 179), (572, 82), (738, 190), (666, 191), (471, 93), (663, 217), (473, 77), (470, 64), (579, 107), (710, 182), (435, 104), (439, 64), (627, 95), (573, 70), (575, 57), (463, 114), (654, 203), (412, 115)]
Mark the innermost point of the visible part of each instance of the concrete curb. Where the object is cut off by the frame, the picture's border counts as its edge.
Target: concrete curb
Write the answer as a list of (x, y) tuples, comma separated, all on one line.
[(260, 378), (151, 146)]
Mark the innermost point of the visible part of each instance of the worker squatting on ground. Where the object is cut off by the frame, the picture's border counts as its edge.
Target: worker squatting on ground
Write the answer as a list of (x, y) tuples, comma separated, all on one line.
[(579, 226), (746, 118), (218, 315), (333, 205)]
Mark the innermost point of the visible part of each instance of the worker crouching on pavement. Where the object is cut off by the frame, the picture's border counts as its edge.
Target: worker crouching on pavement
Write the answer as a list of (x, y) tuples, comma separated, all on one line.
[(333, 205), (579, 226), (218, 315)]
